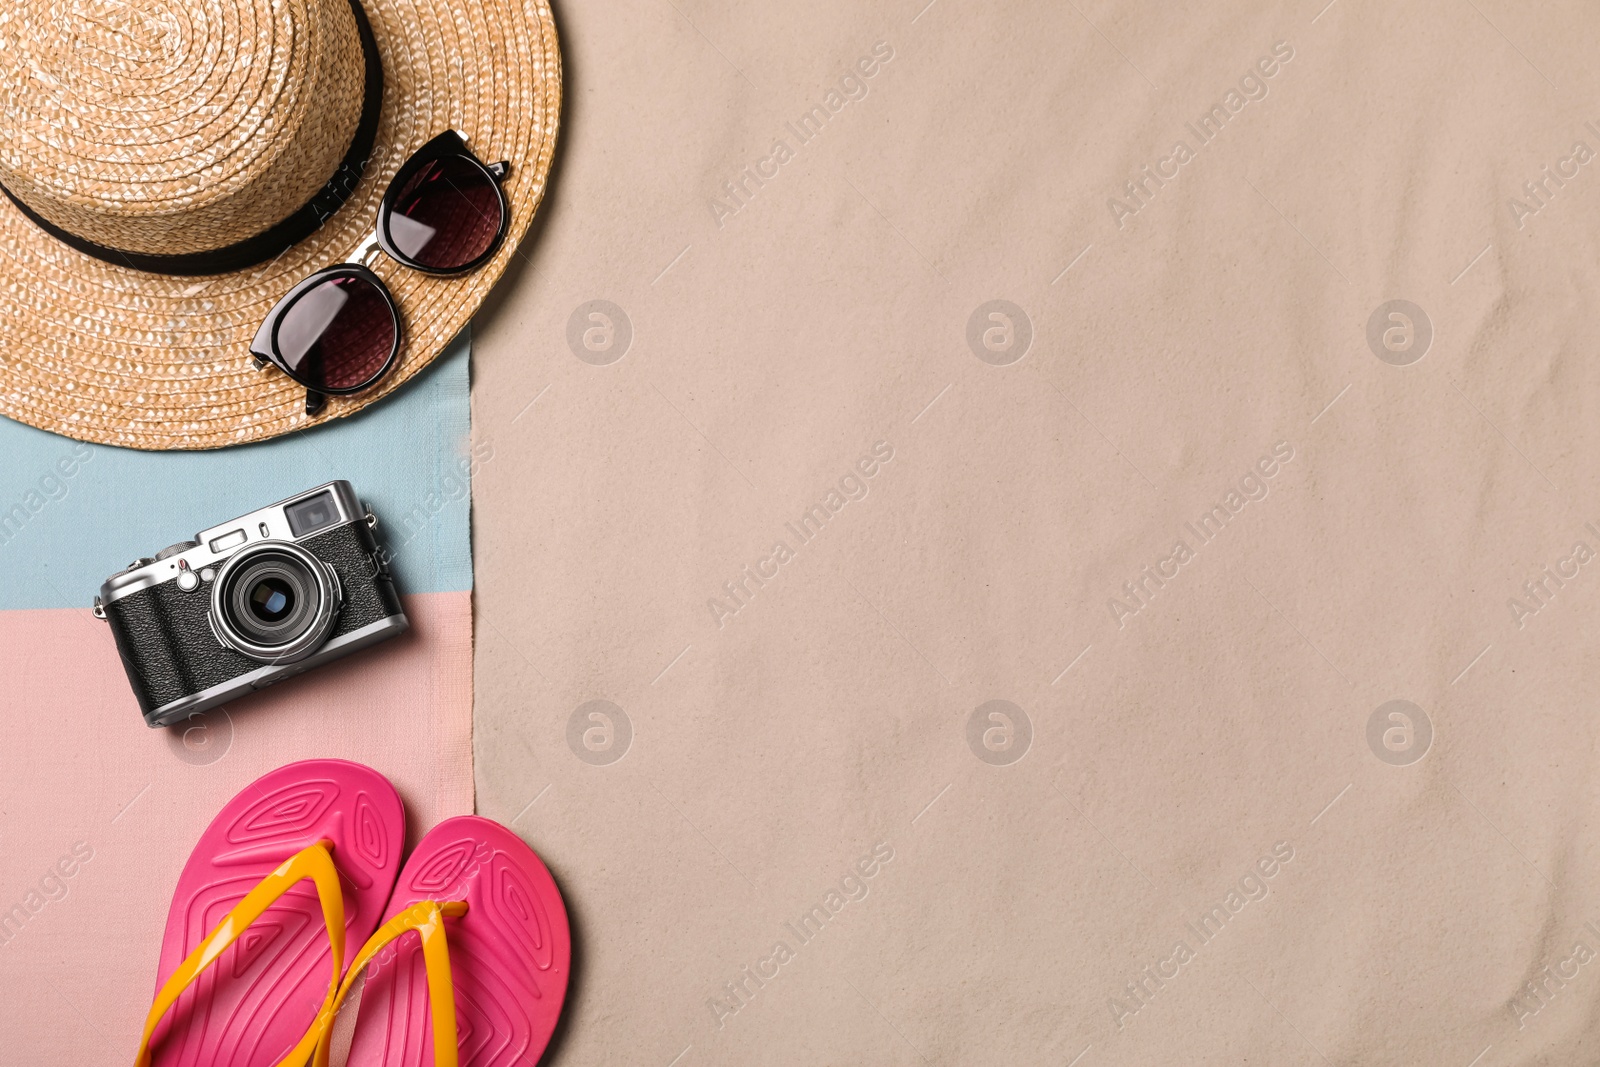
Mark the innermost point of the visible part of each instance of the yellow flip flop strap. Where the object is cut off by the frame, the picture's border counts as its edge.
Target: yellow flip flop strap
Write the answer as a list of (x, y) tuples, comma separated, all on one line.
[(314, 863), (426, 917)]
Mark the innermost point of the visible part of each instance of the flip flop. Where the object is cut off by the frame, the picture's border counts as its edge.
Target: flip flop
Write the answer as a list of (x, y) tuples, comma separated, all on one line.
[(483, 983), (244, 971)]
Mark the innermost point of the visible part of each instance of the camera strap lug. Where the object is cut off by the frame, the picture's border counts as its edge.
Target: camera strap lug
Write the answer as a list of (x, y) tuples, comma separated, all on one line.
[(99, 609)]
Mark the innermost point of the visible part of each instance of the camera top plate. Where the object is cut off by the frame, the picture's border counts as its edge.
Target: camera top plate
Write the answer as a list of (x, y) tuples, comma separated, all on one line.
[(296, 518)]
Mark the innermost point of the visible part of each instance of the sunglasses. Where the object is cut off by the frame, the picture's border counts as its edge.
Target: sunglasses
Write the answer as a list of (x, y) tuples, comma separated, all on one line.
[(338, 331)]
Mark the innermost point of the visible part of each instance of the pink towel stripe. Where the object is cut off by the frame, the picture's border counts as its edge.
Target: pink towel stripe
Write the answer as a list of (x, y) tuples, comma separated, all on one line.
[(98, 813)]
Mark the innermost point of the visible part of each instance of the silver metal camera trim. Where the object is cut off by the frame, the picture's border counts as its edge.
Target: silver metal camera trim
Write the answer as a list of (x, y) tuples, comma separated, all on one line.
[(270, 523), (330, 601), (234, 688)]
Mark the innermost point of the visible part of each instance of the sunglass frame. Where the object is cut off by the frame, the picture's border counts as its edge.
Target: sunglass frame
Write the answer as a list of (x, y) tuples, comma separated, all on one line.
[(264, 349)]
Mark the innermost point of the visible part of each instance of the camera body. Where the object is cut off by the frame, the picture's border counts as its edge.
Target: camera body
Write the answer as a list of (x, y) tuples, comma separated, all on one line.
[(251, 602)]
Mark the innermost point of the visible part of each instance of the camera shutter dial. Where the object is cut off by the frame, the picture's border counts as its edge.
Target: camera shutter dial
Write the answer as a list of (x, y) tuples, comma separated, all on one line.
[(176, 550)]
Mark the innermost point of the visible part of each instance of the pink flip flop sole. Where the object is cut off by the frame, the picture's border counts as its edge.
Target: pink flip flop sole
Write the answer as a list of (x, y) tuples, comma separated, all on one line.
[(510, 954), (252, 1006)]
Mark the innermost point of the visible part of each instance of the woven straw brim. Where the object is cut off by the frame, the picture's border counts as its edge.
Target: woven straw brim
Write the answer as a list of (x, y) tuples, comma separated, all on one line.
[(119, 357)]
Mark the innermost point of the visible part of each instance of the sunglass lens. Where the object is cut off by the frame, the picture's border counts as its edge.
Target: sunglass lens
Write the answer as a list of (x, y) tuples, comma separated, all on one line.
[(338, 335), (447, 215)]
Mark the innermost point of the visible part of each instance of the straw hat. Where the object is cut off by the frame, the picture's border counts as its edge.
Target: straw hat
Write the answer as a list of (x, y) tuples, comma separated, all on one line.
[(176, 128)]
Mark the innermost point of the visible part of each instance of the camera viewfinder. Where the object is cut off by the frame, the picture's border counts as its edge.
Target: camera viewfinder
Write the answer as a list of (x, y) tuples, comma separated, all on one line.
[(312, 514)]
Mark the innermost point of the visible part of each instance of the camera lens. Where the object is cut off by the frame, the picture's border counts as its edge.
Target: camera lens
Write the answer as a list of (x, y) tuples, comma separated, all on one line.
[(275, 602), (272, 599)]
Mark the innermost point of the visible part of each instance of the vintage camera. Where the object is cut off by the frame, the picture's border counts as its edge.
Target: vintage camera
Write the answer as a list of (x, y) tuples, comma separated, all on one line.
[(251, 602)]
